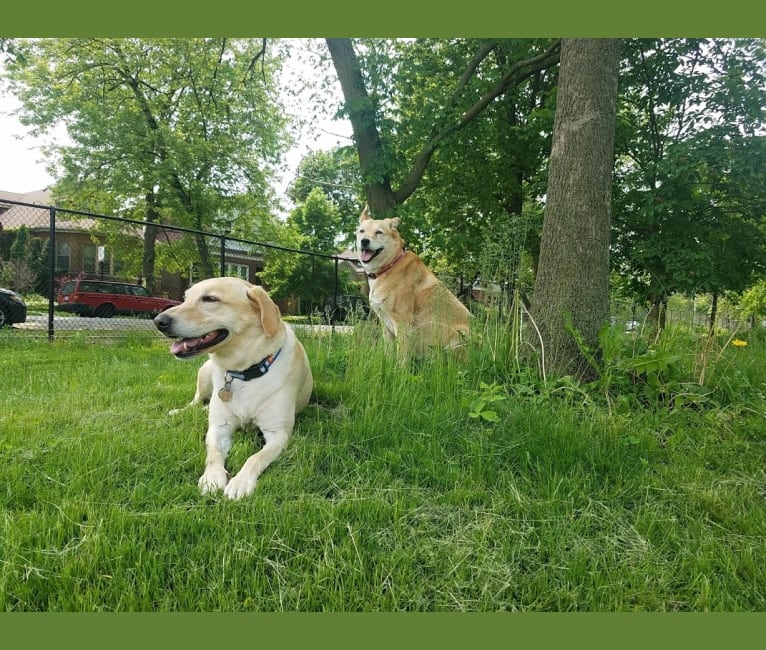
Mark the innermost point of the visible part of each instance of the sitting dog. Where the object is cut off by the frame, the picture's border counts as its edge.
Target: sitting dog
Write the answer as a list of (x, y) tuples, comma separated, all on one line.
[(416, 309), (257, 372)]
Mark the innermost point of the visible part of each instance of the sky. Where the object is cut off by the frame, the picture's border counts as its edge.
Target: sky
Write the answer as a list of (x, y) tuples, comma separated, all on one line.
[(22, 168)]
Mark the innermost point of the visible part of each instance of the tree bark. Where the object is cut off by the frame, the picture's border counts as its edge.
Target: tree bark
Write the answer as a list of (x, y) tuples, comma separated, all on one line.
[(573, 272), (361, 114), (657, 316)]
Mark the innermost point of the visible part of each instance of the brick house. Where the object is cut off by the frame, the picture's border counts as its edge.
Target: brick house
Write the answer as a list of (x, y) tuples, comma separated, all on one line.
[(77, 246)]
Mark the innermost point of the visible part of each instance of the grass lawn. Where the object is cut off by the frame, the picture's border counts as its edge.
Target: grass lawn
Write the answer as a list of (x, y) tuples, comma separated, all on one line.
[(456, 485)]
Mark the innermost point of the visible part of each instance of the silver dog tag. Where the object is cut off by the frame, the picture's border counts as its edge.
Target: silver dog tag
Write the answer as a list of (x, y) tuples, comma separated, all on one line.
[(225, 393)]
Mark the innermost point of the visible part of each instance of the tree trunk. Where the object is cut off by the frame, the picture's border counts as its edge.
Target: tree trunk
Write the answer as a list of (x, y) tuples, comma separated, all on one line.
[(657, 316), (150, 242), (361, 114), (573, 273)]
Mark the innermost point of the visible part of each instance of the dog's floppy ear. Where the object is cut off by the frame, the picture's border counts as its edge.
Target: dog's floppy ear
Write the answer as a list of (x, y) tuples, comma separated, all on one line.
[(395, 223), (269, 312), (365, 214)]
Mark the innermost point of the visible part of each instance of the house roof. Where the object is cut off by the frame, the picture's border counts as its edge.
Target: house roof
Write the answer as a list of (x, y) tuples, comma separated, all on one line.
[(14, 216), (351, 257)]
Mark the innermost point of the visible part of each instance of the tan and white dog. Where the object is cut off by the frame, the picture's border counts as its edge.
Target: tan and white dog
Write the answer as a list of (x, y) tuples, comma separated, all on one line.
[(257, 372), (416, 309)]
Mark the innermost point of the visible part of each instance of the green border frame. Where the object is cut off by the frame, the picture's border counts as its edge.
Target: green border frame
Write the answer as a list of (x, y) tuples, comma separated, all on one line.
[(303, 18), (368, 631)]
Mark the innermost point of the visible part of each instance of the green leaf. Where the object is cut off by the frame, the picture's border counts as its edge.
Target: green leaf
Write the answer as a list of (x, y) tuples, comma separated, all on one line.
[(490, 416)]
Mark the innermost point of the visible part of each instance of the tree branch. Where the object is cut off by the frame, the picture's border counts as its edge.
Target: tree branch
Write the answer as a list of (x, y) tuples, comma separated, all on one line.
[(361, 112), (517, 73), (261, 54)]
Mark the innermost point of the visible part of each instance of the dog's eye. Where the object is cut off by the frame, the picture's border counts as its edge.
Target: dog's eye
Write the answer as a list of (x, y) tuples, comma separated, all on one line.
[(209, 299), (378, 232)]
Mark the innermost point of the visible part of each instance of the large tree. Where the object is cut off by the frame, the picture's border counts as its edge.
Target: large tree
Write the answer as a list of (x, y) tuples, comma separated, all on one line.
[(572, 283), (484, 184), (448, 109), (183, 131), (690, 198)]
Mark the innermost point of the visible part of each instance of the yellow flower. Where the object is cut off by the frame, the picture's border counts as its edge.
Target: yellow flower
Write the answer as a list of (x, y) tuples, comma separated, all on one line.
[(739, 343)]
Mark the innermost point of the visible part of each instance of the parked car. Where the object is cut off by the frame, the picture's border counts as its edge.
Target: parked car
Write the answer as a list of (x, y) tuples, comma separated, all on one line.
[(344, 309), (12, 308), (105, 299)]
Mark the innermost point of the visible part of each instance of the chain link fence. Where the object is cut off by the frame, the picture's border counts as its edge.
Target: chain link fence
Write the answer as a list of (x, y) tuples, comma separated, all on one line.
[(107, 276)]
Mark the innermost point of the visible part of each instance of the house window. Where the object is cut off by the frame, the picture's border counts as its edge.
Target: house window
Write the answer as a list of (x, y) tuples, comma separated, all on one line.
[(238, 271), (89, 259), (63, 256)]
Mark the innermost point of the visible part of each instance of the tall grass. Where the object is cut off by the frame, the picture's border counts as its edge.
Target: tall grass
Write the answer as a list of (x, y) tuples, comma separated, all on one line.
[(390, 496)]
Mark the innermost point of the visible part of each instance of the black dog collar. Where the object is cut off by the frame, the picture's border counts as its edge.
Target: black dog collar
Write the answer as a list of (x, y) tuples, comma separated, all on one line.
[(256, 370), (253, 372)]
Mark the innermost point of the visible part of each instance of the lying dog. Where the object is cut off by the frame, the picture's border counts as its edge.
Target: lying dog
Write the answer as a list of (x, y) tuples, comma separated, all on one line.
[(257, 372), (415, 308)]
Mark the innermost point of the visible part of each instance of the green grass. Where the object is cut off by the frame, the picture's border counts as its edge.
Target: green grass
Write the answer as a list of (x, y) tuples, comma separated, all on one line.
[(389, 497)]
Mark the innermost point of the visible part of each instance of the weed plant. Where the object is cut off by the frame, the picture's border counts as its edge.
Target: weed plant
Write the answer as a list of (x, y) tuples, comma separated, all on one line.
[(459, 483)]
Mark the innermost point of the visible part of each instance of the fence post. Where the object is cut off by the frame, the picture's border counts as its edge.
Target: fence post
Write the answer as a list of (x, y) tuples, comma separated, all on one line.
[(223, 256), (335, 290), (51, 272)]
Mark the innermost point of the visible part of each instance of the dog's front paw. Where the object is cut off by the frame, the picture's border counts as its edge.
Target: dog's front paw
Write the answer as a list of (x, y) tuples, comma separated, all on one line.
[(240, 486), (212, 480)]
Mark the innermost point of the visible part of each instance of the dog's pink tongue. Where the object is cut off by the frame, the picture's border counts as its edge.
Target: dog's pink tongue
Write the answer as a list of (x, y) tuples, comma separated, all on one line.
[(185, 345), (365, 256)]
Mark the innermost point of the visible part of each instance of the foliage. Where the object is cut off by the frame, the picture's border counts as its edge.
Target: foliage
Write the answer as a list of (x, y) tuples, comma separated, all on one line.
[(9, 49), (175, 129), (27, 268), (753, 301), (317, 219), (492, 171), (689, 196), (310, 227), (308, 278), (335, 173), (481, 403), (460, 78)]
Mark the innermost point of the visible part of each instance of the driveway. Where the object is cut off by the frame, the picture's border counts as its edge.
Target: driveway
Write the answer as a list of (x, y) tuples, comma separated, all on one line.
[(117, 324), (69, 324)]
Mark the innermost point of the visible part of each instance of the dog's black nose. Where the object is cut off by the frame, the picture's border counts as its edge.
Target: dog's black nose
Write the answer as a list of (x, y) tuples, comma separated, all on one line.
[(162, 322), (365, 243)]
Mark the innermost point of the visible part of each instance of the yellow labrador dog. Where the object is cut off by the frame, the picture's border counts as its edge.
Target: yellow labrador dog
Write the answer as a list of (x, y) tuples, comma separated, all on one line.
[(257, 372), (415, 308)]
